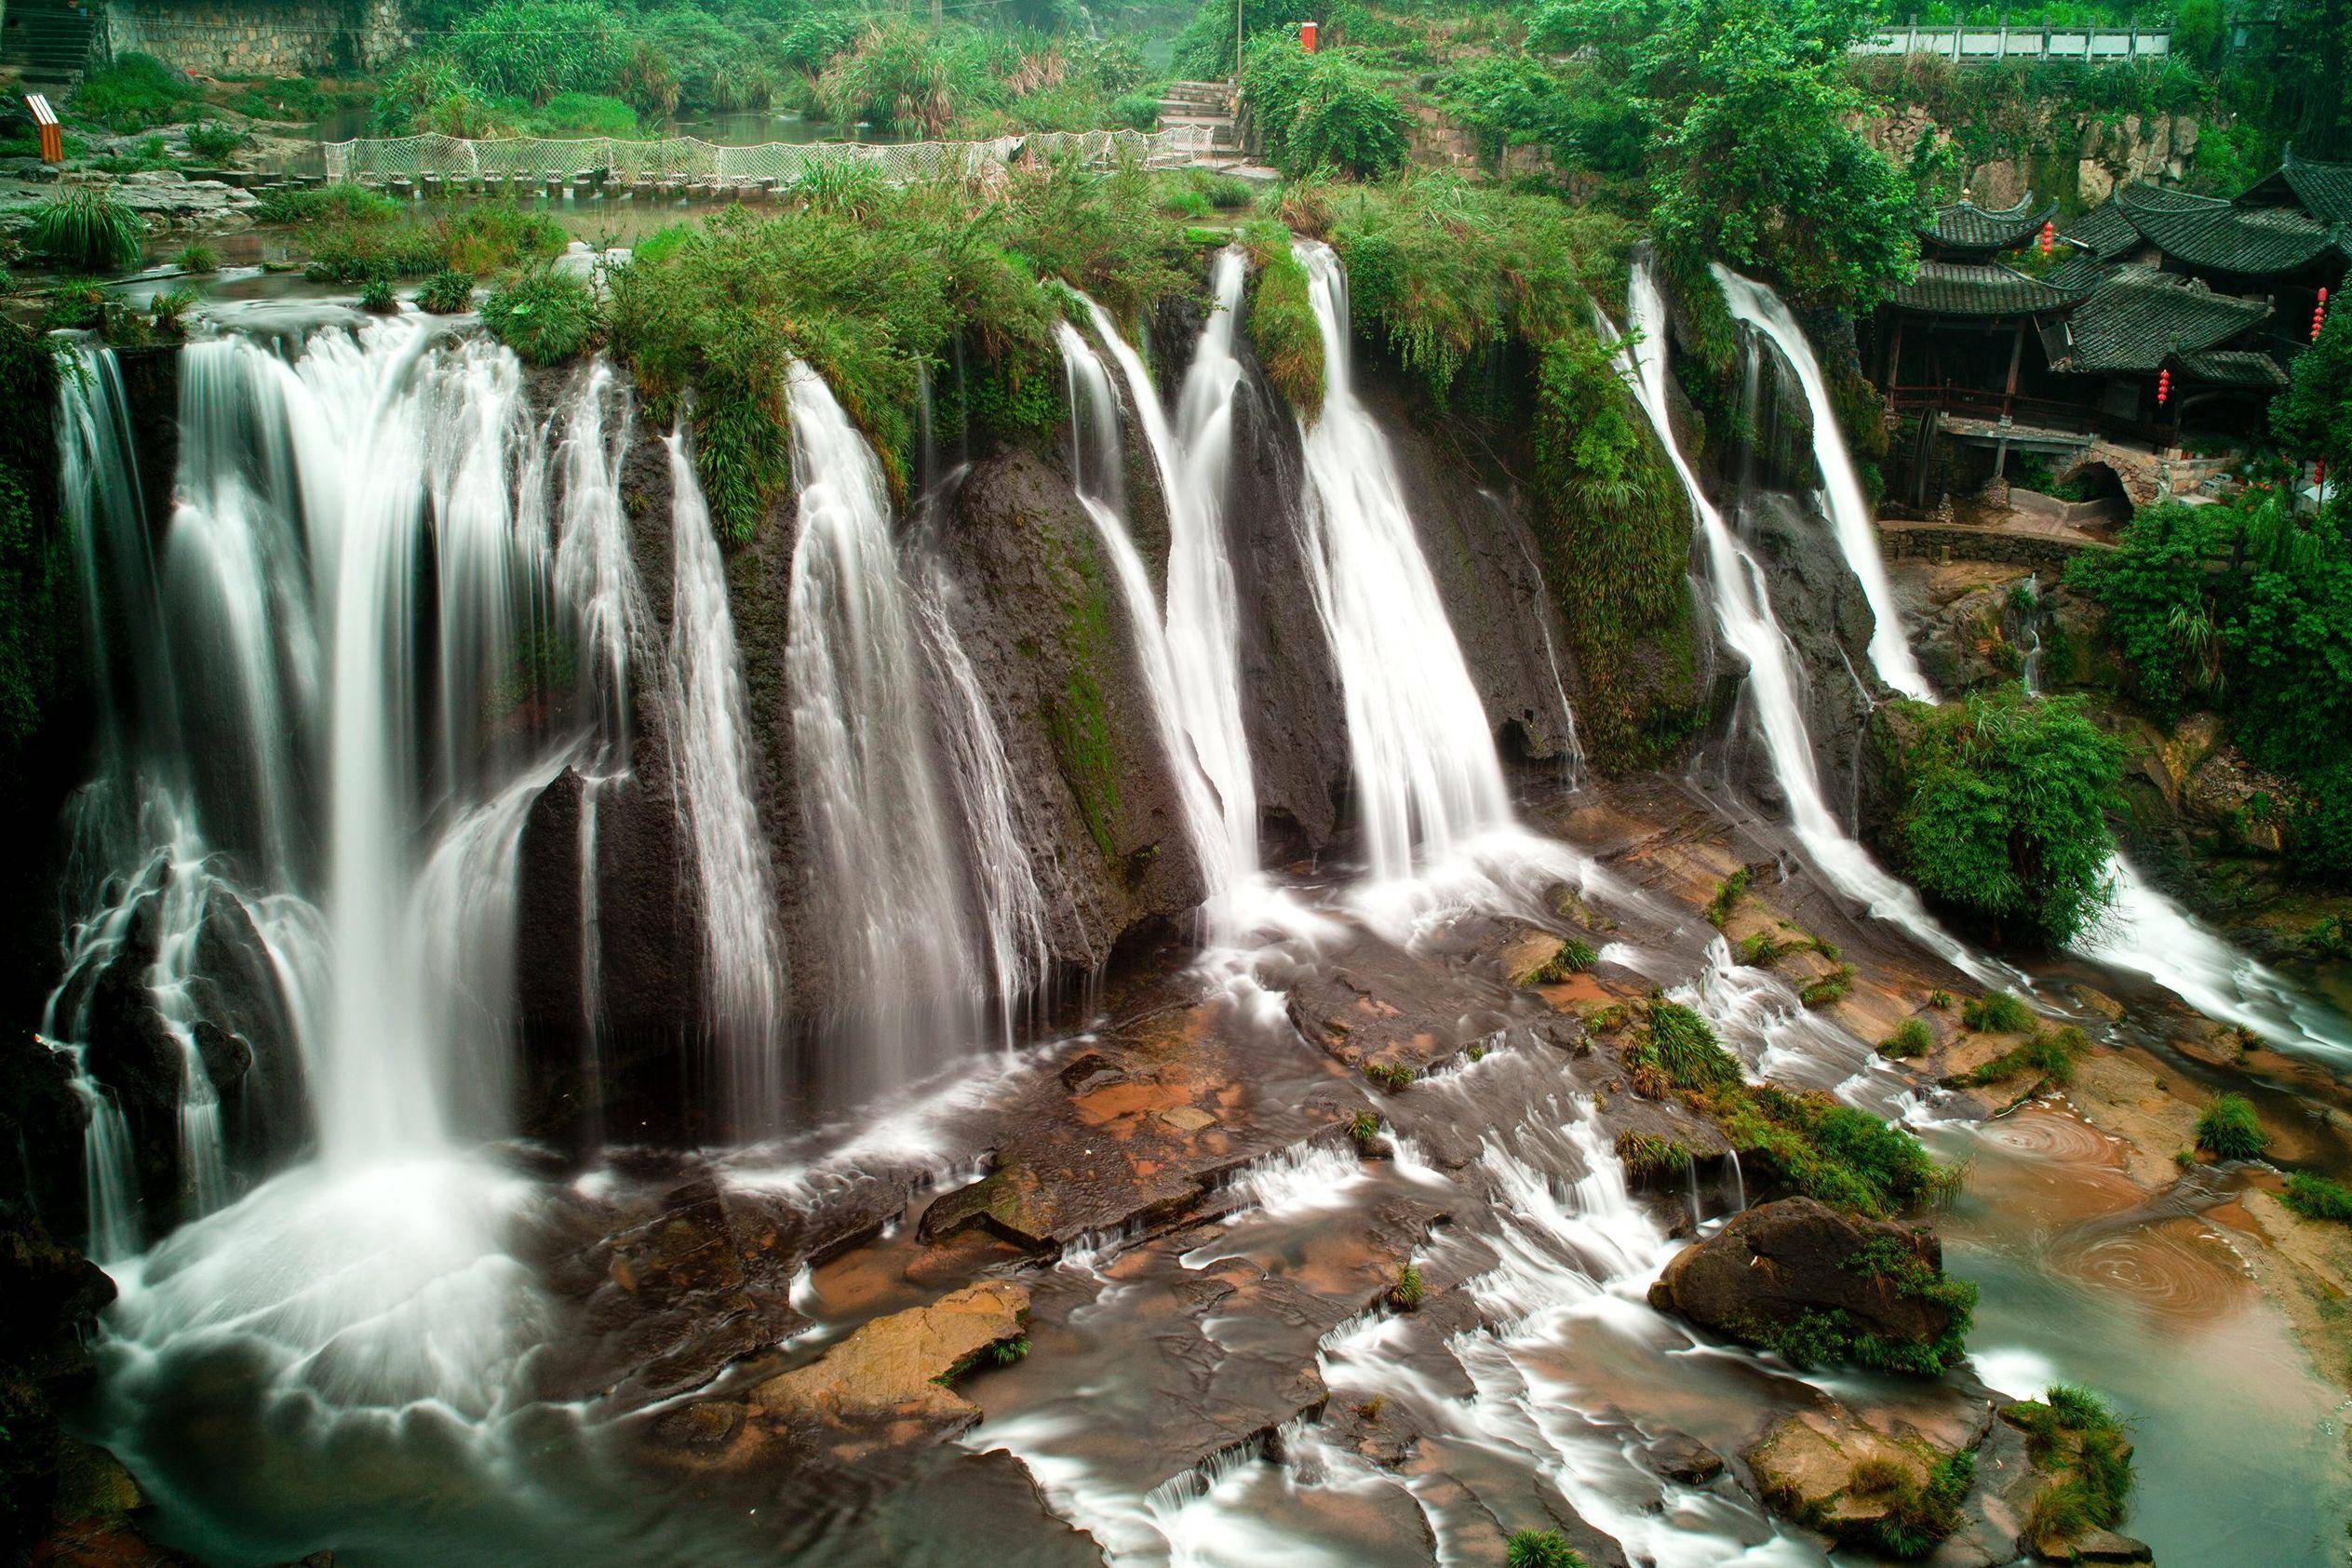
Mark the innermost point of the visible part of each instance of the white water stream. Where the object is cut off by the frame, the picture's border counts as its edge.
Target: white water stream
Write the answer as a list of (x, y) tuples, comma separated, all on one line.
[(1848, 511)]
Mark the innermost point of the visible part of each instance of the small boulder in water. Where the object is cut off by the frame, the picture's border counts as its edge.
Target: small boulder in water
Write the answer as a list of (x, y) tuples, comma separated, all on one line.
[(1812, 1283)]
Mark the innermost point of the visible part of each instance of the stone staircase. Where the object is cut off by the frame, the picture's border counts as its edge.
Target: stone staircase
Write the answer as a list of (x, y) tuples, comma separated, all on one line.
[(1206, 104), (48, 42)]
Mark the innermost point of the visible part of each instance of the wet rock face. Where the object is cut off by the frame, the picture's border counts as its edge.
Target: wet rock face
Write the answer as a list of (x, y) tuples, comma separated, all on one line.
[(887, 1386), (1820, 607), (1297, 730), (1795, 1259), (1042, 621), (1483, 560)]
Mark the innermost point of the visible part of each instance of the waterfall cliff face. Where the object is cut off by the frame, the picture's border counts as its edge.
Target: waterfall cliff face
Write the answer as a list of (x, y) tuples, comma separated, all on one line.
[(336, 677), (1742, 603), (1427, 777), (1848, 511)]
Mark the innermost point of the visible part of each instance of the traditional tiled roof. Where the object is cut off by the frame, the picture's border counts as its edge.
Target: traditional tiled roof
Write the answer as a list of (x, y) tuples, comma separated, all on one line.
[(2138, 318), (1963, 225), (1955, 288), (2104, 231), (2079, 274), (2207, 231), (2234, 366), (2322, 190)]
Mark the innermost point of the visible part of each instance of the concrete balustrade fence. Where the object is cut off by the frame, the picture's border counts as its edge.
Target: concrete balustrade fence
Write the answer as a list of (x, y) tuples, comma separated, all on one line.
[(692, 161)]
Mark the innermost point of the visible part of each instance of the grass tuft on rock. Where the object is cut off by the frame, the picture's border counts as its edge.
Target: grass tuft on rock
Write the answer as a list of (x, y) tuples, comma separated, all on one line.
[(1997, 1012), (1539, 1549), (1912, 1038), (1282, 328), (2317, 1197), (2230, 1130)]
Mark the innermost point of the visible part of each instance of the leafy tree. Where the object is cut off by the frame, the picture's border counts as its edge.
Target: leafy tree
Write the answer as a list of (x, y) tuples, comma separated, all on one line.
[(1754, 156), (2001, 812), (2313, 417), (1323, 112)]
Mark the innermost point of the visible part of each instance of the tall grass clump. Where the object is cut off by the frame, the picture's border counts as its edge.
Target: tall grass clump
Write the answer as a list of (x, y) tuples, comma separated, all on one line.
[(87, 230), (2230, 1130), (544, 315)]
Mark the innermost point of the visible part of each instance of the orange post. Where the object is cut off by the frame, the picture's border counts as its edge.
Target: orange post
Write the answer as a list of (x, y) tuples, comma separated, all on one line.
[(1307, 36), (52, 145)]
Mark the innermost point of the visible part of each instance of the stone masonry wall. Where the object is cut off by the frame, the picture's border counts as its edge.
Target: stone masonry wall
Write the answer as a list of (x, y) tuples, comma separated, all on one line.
[(259, 37)]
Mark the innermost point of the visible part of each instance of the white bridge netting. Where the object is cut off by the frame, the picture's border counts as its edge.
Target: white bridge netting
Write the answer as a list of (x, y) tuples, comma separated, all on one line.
[(691, 160)]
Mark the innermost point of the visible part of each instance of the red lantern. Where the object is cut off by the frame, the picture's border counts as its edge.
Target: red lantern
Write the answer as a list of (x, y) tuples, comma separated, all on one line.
[(2163, 388), (2319, 316), (2049, 234)]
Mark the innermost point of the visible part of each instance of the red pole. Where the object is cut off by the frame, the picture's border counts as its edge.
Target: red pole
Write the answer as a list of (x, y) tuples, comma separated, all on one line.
[(1307, 30)]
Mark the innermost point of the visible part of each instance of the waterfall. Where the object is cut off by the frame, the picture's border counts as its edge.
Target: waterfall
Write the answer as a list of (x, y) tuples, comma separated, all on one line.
[(1200, 641), (330, 694), (1743, 610), (710, 740), (2148, 934), (1427, 776), (2029, 667), (106, 1175), (1012, 902), (1850, 513), (889, 873), (1098, 465)]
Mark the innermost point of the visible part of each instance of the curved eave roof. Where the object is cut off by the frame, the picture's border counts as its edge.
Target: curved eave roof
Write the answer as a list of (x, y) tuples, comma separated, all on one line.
[(2219, 235), (2136, 319), (1961, 289), (1966, 226)]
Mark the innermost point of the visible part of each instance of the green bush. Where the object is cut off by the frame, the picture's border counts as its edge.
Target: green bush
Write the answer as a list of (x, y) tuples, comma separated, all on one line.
[(1678, 1043), (1912, 1038), (1324, 111), (134, 91), (87, 230), (2051, 1054), (1996, 1012), (377, 297), (215, 142), (343, 202), (197, 258), (168, 312), (544, 315), (1406, 1294), (2230, 1130), (1570, 957), (583, 113), (1282, 328), (2317, 1197), (1830, 988), (446, 293), (2001, 812), (2074, 1439), (533, 49), (1539, 1549)]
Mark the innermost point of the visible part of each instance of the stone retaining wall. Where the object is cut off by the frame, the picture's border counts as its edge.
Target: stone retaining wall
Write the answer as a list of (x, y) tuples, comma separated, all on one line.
[(1941, 541), (259, 37)]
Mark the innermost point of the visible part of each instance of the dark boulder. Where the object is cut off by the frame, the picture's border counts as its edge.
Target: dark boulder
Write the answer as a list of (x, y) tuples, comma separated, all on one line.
[(1797, 1273)]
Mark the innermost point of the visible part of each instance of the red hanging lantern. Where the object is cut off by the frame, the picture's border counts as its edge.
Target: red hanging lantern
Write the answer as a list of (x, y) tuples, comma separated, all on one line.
[(2319, 316), (2049, 234), (2163, 388)]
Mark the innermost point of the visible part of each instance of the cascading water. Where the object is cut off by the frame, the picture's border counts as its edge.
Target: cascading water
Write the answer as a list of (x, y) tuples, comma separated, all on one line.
[(1850, 514), (1427, 775), (322, 803), (2148, 934), (1012, 902), (710, 730), (1201, 642), (1743, 610), (1099, 470), (906, 961)]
